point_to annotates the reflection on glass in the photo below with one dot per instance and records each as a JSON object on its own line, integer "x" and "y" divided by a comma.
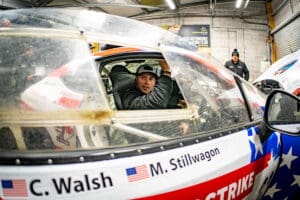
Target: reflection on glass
{"x": 284, "y": 112}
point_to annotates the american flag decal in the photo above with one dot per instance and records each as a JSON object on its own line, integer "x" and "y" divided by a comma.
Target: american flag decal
{"x": 14, "y": 188}
{"x": 137, "y": 173}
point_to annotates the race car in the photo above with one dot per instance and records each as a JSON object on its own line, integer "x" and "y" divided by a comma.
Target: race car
{"x": 283, "y": 74}
{"x": 65, "y": 135}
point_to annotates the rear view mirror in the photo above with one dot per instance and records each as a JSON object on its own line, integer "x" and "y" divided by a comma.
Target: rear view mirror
{"x": 283, "y": 112}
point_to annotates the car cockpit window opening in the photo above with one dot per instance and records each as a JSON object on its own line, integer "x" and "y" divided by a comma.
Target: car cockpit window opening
{"x": 119, "y": 76}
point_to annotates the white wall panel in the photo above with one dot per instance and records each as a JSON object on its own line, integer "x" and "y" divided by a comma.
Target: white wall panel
{"x": 219, "y": 44}
{"x": 283, "y": 13}
{"x": 288, "y": 38}
{"x": 247, "y": 34}
{"x": 295, "y": 5}
{"x": 286, "y": 32}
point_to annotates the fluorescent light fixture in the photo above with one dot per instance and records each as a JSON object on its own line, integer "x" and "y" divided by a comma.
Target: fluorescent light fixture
{"x": 171, "y": 4}
{"x": 238, "y": 3}
{"x": 246, "y": 3}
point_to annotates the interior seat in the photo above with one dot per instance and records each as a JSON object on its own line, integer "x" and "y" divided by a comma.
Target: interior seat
{"x": 121, "y": 79}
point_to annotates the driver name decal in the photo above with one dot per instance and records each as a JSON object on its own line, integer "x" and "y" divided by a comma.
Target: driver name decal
{"x": 56, "y": 186}
{"x": 69, "y": 185}
{"x": 175, "y": 163}
{"x": 232, "y": 186}
{"x": 183, "y": 161}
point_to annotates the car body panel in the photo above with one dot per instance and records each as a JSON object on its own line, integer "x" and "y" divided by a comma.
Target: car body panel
{"x": 285, "y": 71}
{"x": 179, "y": 172}
{"x": 286, "y": 180}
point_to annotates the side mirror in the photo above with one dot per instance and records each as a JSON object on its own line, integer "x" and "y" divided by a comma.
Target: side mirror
{"x": 282, "y": 112}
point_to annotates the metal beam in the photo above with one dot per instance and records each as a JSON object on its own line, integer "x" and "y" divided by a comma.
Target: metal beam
{"x": 43, "y": 3}
{"x": 138, "y": 3}
{"x": 177, "y": 3}
{"x": 14, "y": 4}
{"x": 272, "y": 26}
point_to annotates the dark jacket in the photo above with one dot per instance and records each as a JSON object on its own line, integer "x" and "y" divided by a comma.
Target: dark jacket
{"x": 239, "y": 68}
{"x": 158, "y": 98}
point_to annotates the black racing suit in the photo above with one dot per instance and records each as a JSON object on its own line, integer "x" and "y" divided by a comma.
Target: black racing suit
{"x": 158, "y": 98}
{"x": 239, "y": 68}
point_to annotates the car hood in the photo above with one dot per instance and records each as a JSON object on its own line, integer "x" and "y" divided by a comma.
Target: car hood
{"x": 286, "y": 71}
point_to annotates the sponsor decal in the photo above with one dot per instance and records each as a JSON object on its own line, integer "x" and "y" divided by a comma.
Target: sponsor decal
{"x": 14, "y": 188}
{"x": 65, "y": 134}
{"x": 285, "y": 67}
{"x": 137, "y": 173}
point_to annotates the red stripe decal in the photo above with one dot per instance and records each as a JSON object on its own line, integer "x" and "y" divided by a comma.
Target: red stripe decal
{"x": 231, "y": 186}
{"x": 68, "y": 103}
{"x": 59, "y": 72}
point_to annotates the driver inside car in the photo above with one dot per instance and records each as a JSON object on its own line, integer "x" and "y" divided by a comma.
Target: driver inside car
{"x": 151, "y": 91}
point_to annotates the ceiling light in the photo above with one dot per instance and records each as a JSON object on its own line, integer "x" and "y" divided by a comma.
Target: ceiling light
{"x": 246, "y": 3}
{"x": 238, "y": 3}
{"x": 171, "y": 4}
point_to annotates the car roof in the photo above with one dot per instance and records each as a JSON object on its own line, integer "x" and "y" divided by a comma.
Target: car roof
{"x": 97, "y": 25}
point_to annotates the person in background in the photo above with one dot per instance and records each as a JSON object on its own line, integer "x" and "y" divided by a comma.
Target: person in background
{"x": 237, "y": 66}
{"x": 109, "y": 46}
{"x": 4, "y": 22}
{"x": 91, "y": 47}
{"x": 24, "y": 69}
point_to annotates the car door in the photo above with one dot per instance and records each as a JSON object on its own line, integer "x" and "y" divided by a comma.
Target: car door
{"x": 282, "y": 115}
{"x": 285, "y": 182}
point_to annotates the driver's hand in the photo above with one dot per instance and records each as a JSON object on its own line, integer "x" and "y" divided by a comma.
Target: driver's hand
{"x": 32, "y": 77}
{"x": 184, "y": 128}
{"x": 165, "y": 68}
{"x": 182, "y": 103}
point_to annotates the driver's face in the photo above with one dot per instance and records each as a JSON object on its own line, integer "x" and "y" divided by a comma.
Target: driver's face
{"x": 145, "y": 82}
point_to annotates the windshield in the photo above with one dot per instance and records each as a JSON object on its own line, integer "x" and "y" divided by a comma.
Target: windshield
{"x": 208, "y": 87}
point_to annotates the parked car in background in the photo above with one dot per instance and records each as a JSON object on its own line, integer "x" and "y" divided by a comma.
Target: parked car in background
{"x": 283, "y": 74}
{"x": 63, "y": 134}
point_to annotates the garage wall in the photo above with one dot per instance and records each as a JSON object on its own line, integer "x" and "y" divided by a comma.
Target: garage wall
{"x": 287, "y": 25}
{"x": 244, "y": 30}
